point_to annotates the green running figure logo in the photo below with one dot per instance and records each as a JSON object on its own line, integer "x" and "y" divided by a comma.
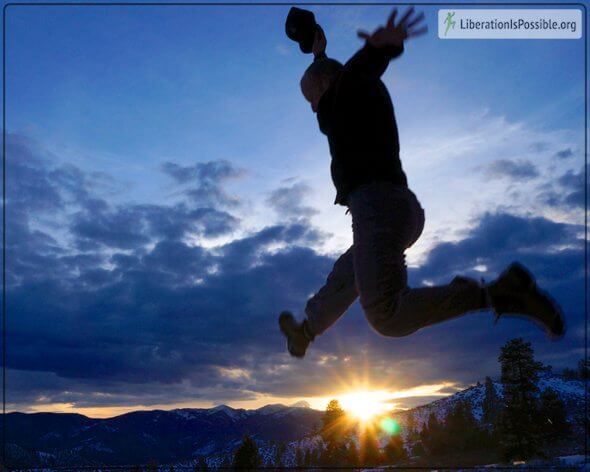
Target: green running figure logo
{"x": 449, "y": 21}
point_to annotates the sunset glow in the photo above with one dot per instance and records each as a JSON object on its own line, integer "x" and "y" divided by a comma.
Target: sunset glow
{"x": 365, "y": 404}
{"x": 359, "y": 399}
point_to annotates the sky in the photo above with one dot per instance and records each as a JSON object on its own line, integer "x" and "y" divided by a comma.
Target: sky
{"x": 168, "y": 194}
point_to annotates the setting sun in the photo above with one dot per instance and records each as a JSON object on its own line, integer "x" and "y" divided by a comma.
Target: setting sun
{"x": 364, "y": 405}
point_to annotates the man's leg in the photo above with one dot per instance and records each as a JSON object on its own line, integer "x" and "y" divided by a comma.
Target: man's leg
{"x": 335, "y": 297}
{"x": 323, "y": 309}
{"x": 387, "y": 220}
{"x": 415, "y": 308}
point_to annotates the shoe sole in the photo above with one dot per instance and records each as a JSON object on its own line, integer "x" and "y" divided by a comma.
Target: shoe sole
{"x": 286, "y": 321}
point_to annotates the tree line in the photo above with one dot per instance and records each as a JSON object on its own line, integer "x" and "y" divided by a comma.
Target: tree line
{"x": 520, "y": 424}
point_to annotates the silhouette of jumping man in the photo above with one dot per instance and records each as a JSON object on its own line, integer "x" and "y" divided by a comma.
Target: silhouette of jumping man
{"x": 355, "y": 112}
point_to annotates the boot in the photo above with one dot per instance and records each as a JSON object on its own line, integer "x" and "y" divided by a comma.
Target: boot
{"x": 515, "y": 293}
{"x": 298, "y": 334}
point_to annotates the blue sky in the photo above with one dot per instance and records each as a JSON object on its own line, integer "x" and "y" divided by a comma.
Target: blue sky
{"x": 151, "y": 152}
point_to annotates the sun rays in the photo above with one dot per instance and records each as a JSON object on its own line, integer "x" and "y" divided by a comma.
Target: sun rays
{"x": 365, "y": 405}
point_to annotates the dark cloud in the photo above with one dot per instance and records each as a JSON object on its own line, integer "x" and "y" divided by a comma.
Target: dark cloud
{"x": 29, "y": 186}
{"x": 288, "y": 201}
{"x": 564, "y": 153}
{"x": 495, "y": 241}
{"x": 515, "y": 170}
{"x": 567, "y": 191}
{"x": 539, "y": 146}
{"x": 68, "y": 202}
{"x": 128, "y": 226}
{"x": 205, "y": 180}
{"x": 139, "y": 304}
{"x": 112, "y": 304}
{"x": 212, "y": 171}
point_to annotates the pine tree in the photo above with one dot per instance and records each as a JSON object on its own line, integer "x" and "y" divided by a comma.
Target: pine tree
{"x": 370, "y": 455}
{"x": 432, "y": 436}
{"x": 490, "y": 420}
{"x": 394, "y": 450}
{"x": 299, "y": 459}
{"x": 418, "y": 449}
{"x": 352, "y": 455}
{"x": 424, "y": 434}
{"x": 519, "y": 426}
{"x": 492, "y": 405}
{"x": 338, "y": 455}
{"x": 316, "y": 458}
{"x": 411, "y": 433}
{"x": 325, "y": 459}
{"x": 226, "y": 462}
{"x": 203, "y": 467}
{"x": 584, "y": 369}
{"x": 334, "y": 426}
{"x": 461, "y": 429}
{"x": 246, "y": 456}
{"x": 280, "y": 449}
{"x": 307, "y": 458}
{"x": 553, "y": 417}
{"x": 570, "y": 374}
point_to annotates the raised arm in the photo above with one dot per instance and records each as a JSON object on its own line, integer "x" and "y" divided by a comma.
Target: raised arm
{"x": 386, "y": 43}
{"x": 319, "y": 44}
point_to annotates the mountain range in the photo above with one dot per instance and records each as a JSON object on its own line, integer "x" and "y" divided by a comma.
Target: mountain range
{"x": 182, "y": 436}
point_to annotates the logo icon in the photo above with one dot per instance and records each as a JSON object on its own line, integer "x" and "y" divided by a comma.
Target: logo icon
{"x": 449, "y": 22}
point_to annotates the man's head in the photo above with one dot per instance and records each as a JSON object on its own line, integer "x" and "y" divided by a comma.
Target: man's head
{"x": 317, "y": 78}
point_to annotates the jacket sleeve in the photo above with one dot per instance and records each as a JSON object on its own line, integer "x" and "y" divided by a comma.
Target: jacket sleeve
{"x": 373, "y": 61}
{"x": 320, "y": 56}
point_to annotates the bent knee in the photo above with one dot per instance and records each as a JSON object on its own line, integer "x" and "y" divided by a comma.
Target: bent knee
{"x": 392, "y": 329}
{"x": 385, "y": 321}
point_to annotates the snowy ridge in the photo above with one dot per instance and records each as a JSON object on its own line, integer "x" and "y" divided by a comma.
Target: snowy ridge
{"x": 197, "y": 433}
{"x": 228, "y": 410}
{"x": 570, "y": 391}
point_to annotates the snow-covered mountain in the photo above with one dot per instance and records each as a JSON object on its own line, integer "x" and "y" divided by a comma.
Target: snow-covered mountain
{"x": 46, "y": 439}
{"x": 570, "y": 391}
{"x": 182, "y": 436}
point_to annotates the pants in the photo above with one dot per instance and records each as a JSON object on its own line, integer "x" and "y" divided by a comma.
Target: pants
{"x": 386, "y": 220}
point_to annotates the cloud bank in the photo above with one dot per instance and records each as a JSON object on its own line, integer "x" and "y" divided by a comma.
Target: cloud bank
{"x": 124, "y": 303}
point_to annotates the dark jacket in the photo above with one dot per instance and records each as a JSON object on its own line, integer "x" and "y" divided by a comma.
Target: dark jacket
{"x": 356, "y": 114}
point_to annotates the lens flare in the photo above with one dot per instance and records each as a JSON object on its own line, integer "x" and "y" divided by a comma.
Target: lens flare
{"x": 390, "y": 426}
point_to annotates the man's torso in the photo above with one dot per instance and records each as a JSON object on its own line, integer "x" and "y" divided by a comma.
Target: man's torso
{"x": 357, "y": 116}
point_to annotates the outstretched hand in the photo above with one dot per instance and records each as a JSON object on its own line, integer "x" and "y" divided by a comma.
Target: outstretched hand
{"x": 409, "y": 26}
